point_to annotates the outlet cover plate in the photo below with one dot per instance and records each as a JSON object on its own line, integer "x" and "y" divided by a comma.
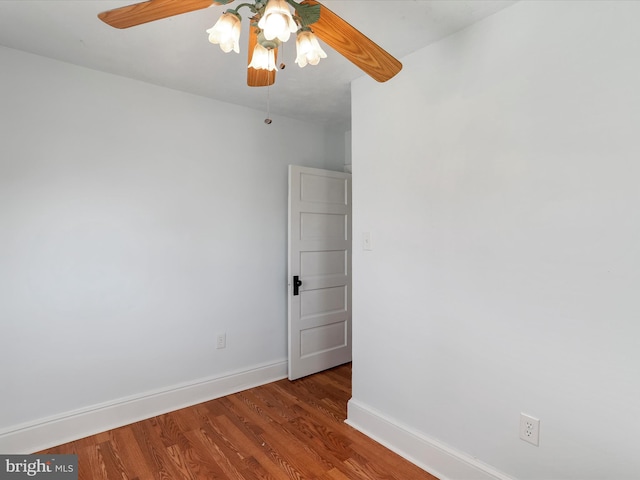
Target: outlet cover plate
{"x": 529, "y": 429}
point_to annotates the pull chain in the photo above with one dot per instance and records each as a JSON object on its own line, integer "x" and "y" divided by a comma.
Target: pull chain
{"x": 282, "y": 67}
{"x": 268, "y": 119}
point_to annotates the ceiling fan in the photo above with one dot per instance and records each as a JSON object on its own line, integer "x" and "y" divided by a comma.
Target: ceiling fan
{"x": 272, "y": 22}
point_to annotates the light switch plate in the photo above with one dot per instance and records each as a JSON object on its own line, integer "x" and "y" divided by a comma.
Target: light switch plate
{"x": 366, "y": 241}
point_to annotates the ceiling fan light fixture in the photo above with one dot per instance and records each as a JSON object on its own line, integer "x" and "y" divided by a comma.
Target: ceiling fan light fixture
{"x": 226, "y": 32}
{"x": 277, "y": 22}
{"x": 263, "y": 58}
{"x": 308, "y": 49}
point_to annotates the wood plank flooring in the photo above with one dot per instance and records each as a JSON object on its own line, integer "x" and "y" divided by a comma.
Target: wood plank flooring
{"x": 283, "y": 430}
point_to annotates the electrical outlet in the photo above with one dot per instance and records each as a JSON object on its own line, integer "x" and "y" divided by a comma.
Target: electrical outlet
{"x": 529, "y": 429}
{"x": 222, "y": 341}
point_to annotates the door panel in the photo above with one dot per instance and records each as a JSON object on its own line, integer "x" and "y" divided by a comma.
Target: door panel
{"x": 323, "y": 301}
{"x": 323, "y": 226}
{"x": 320, "y": 189}
{"x": 322, "y": 264}
{"x": 323, "y": 338}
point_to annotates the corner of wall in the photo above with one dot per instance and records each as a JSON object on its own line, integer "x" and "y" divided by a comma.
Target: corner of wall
{"x": 432, "y": 456}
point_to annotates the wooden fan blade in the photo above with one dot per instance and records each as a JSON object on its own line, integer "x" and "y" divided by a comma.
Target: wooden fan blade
{"x": 255, "y": 77}
{"x": 139, "y": 13}
{"x": 354, "y": 45}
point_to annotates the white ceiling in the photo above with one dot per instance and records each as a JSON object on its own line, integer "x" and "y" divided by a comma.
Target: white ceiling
{"x": 175, "y": 53}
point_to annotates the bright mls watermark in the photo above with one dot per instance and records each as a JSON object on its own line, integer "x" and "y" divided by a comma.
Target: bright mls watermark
{"x": 44, "y": 467}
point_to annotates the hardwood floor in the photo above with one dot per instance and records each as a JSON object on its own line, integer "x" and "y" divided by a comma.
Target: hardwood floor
{"x": 283, "y": 430}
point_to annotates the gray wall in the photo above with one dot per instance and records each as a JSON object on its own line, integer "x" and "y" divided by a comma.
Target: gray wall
{"x": 506, "y": 242}
{"x": 136, "y": 223}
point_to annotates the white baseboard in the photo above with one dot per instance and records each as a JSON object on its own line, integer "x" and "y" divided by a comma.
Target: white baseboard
{"x": 440, "y": 460}
{"x": 49, "y": 432}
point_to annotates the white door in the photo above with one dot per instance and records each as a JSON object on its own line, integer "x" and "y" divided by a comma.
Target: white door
{"x": 319, "y": 270}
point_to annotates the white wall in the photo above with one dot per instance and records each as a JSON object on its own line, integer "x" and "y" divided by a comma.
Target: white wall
{"x": 498, "y": 174}
{"x": 136, "y": 223}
